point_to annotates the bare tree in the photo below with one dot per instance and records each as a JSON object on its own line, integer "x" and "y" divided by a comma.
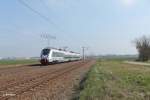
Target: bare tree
{"x": 143, "y": 47}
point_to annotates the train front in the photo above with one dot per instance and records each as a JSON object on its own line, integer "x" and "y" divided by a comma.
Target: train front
{"x": 45, "y": 56}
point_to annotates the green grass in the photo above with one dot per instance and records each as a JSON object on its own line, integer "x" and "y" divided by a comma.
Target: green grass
{"x": 114, "y": 80}
{"x": 16, "y": 62}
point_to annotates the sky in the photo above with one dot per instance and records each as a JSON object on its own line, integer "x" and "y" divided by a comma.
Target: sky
{"x": 104, "y": 26}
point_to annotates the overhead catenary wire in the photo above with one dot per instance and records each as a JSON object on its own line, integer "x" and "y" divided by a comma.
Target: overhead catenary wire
{"x": 38, "y": 13}
{"x": 45, "y": 5}
{"x": 46, "y": 18}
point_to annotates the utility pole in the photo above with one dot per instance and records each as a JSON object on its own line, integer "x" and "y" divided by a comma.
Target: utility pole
{"x": 48, "y": 37}
{"x": 83, "y": 52}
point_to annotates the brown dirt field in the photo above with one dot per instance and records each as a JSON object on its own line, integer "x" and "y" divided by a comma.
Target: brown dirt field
{"x": 52, "y": 82}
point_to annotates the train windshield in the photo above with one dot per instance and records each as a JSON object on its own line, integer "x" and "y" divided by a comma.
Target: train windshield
{"x": 45, "y": 51}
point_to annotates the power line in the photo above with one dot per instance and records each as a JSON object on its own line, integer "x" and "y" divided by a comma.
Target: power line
{"x": 45, "y": 5}
{"x": 38, "y": 13}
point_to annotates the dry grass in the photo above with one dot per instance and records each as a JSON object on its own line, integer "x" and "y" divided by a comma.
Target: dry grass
{"x": 114, "y": 80}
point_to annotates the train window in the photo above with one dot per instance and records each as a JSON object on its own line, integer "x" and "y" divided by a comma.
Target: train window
{"x": 57, "y": 54}
{"x": 45, "y": 51}
{"x": 54, "y": 54}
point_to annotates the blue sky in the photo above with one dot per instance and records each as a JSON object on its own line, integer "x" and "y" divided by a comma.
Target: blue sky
{"x": 105, "y": 26}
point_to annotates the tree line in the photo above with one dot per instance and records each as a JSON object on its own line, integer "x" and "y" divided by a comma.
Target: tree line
{"x": 143, "y": 48}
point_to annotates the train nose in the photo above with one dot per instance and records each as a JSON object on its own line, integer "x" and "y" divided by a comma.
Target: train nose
{"x": 44, "y": 56}
{"x": 44, "y": 61}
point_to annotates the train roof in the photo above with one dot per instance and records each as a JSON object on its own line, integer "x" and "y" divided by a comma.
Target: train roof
{"x": 61, "y": 50}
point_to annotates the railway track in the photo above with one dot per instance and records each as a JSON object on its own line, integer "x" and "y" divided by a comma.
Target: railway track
{"x": 27, "y": 75}
{"x": 11, "y": 78}
{"x": 46, "y": 71}
{"x": 17, "y": 88}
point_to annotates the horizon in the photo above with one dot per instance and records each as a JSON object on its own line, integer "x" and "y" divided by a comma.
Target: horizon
{"x": 105, "y": 27}
{"x": 98, "y": 55}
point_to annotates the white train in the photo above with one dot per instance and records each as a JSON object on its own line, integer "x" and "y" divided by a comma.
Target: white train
{"x": 52, "y": 55}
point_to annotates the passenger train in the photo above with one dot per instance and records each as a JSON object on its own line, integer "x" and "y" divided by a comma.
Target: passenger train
{"x": 52, "y": 55}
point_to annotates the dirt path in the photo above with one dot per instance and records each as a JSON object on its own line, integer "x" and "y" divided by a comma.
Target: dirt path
{"x": 25, "y": 82}
{"x": 137, "y": 63}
